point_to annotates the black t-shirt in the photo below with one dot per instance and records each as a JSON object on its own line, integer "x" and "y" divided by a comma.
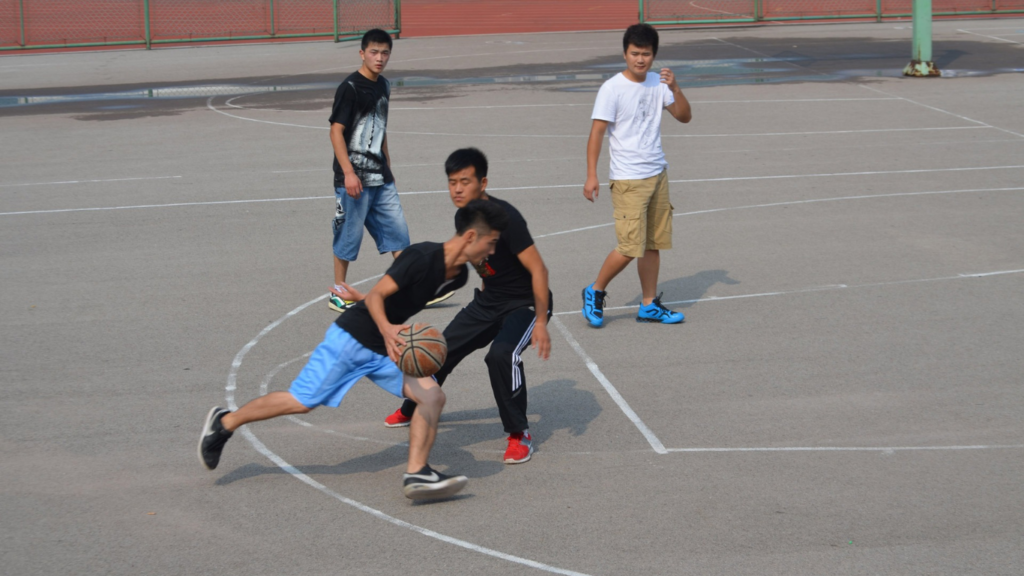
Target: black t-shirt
{"x": 420, "y": 274}
{"x": 505, "y": 277}
{"x": 361, "y": 106}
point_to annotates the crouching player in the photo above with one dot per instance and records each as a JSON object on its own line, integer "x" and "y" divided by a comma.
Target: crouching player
{"x": 364, "y": 341}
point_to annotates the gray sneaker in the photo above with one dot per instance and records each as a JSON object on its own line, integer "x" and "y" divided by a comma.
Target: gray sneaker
{"x": 213, "y": 438}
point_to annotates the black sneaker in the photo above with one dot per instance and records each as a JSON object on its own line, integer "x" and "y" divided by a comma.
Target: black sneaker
{"x": 214, "y": 436}
{"x": 429, "y": 483}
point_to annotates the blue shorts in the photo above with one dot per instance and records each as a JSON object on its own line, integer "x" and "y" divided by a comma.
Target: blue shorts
{"x": 338, "y": 363}
{"x": 379, "y": 210}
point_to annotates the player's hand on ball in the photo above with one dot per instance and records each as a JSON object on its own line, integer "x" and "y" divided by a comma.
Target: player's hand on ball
{"x": 392, "y": 341}
{"x": 591, "y": 188}
{"x": 541, "y": 341}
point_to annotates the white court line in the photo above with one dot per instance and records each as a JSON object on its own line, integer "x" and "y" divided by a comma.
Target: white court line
{"x": 209, "y": 104}
{"x": 694, "y": 4}
{"x": 849, "y": 448}
{"x": 818, "y": 289}
{"x": 793, "y": 202}
{"x": 232, "y": 385}
{"x": 987, "y": 36}
{"x": 953, "y": 114}
{"x": 86, "y": 181}
{"x": 304, "y": 198}
{"x": 619, "y": 400}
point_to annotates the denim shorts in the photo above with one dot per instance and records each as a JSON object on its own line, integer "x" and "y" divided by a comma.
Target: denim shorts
{"x": 379, "y": 210}
{"x": 336, "y": 365}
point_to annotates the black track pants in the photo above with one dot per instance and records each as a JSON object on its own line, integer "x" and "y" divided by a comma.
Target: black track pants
{"x": 507, "y": 327}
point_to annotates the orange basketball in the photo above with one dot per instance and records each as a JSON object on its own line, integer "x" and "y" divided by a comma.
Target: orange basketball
{"x": 424, "y": 352}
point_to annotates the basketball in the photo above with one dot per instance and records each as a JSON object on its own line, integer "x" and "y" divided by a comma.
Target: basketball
{"x": 424, "y": 352}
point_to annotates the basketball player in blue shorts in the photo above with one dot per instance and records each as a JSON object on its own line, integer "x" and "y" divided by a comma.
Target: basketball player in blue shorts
{"x": 364, "y": 341}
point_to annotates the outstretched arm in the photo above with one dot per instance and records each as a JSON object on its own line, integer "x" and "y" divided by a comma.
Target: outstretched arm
{"x": 531, "y": 260}
{"x": 680, "y": 109}
{"x": 597, "y": 130}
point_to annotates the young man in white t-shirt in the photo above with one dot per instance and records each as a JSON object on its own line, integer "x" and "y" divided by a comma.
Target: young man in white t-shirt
{"x": 629, "y": 107}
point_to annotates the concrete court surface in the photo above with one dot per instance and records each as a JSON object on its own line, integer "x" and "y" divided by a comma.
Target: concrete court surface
{"x": 844, "y": 398}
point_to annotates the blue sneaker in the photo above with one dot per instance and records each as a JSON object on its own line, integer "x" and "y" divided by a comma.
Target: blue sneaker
{"x": 593, "y": 306}
{"x": 656, "y": 312}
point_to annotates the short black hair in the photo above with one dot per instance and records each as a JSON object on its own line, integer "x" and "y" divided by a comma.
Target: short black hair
{"x": 464, "y": 158}
{"x": 376, "y": 36}
{"x": 483, "y": 215}
{"x": 641, "y": 36}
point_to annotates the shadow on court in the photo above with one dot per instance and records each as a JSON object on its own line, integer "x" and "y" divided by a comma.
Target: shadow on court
{"x": 688, "y": 289}
{"x": 554, "y": 405}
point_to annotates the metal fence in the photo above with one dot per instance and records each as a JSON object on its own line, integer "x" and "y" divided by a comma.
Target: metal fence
{"x": 80, "y": 23}
{"x": 736, "y": 11}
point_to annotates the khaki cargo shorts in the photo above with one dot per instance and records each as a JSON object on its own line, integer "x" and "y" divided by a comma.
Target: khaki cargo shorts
{"x": 643, "y": 215}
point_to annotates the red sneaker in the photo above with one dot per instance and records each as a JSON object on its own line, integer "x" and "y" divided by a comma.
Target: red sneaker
{"x": 397, "y": 420}
{"x": 520, "y": 448}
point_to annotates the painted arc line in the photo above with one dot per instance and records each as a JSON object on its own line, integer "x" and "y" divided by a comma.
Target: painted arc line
{"x": 792, "y": 203}
{"x": 265, "y": 387}
{"x": 232, "y": 386}
{"x": 818, "y": 289}
{"x": 610, "y": 389}
{"x": 849, "y": 448}
{"x": 87, "y": 181}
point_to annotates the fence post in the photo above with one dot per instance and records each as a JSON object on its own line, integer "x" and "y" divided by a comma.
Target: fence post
{"x": 336, "y": 39}
{"x": 878, "y": 10}
{"x": 758, "y": 10}
{"x": 273, "y": 28}
{"x": 398, "y": 18}
{"x": 149, "y": 33}
{"x": 640, "y": 14}
{"x": 21, "y": 18}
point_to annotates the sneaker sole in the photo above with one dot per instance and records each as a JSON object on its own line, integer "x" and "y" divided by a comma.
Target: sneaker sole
{"x": 399, "y": 425}
{"x": 433, "y": 490}
{"x": 207, "y": 425}
{"x": 527, "y": 459}
{"x": 441, "y": 299}
{"x": 656, "y": 321}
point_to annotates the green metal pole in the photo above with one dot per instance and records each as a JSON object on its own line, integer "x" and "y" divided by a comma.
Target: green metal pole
{"x": 641, "y": 13}
{"x": 398, "y": 18}
{"x": 272, "y": 26}
{"x": 758, "y": 10}
{"x": 336, "y": 21}
{"x": 878, "y": 10}
{"x": 921, "y": 59}
{"x": 149, "y": 33}
{"x": 21, "y": 17}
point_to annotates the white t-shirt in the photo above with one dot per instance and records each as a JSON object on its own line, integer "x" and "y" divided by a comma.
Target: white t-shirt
{"x": 633, "y": 111}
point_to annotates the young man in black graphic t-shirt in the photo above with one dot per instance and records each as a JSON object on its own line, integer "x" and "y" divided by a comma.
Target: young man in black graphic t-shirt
{"x": 364, "y": 186}
{"x": 364, "y": 342}
{"x": 510, "y": 311}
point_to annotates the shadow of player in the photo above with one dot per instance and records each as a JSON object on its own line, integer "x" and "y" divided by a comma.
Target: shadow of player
{"x": 458, "y": 431}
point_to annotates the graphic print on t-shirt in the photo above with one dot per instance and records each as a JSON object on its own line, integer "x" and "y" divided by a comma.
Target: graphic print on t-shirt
{"x": 365, "y": 147}
{"x": 644, "y": 117}
{"x": 361, "y": 106}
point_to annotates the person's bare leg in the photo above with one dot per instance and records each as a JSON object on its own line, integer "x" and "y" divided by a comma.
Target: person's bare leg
{"x": 423, "y": 427}
{"x": 263, "y": 408}
{"x": 613, "y": 265}
{"x": 340, "y": 270}
{"x": 648, "y": 268}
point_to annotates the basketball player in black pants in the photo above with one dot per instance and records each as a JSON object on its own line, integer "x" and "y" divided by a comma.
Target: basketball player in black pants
{"x": 509, "y": 312}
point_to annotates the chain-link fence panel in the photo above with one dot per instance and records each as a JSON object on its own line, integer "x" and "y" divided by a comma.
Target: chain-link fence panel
{"x": 950, "y": 7}
{"x": 10, "y": 23}
{"x": 193, "y": 19}
{"x": 698, "y": 10}
{"x": 312, "y": 17}
{"x": 64, "y": 22}
{"x": 361, "y": 15}
{"x": 818, "y": 8}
